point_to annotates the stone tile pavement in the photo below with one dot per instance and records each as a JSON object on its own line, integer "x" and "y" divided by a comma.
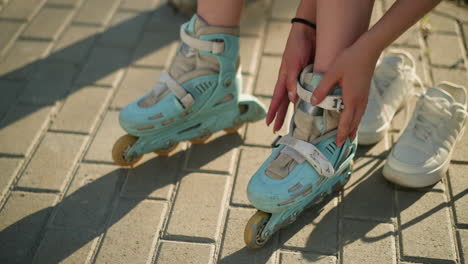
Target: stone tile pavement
{"x": 68, "y": 66}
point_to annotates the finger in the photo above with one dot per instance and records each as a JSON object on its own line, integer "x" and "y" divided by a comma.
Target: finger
{"x": 326, "y": 84}
{"x": 291, "y": 84}
{"x": 280, "y": 116}
{"x": 356, "y": 121}
{"x": 278, "y": 94}
{"x": 344, "y": 125}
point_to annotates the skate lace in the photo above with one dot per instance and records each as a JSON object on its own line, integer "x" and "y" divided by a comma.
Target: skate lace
{"x": 437, "y": 110}
{"x": 384, "y": 76}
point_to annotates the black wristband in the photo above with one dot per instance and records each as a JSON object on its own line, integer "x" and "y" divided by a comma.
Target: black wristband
{"x": 305, "y": 22}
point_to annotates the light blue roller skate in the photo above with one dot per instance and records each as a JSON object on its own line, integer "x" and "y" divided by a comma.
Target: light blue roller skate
{"x": 199, "y": 96}
{"x": 304, "y": 167}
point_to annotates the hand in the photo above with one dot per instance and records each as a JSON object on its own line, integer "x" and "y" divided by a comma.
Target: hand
{"x": 298, "y": 53}
{"x": 352, "y": 70}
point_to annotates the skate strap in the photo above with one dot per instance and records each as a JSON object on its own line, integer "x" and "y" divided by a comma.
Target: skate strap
{"x": 205, "y": 45}
{"x": 310, "y": 153}
{"x": 331, "y": 102}
{"x": 185, "y": 98}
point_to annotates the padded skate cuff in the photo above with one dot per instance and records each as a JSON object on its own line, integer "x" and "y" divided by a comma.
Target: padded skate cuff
{"x": 331, "y": 102}
{"x": 185, "y": 98}
{"x": 205, "y": 45}
{"x": 310, "y": 153}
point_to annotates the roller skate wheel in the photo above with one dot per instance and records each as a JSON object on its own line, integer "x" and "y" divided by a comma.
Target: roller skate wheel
{"x": 200, "y": 140}
{"x": 121, "y": 146}
{"x": 232, "y": 130}
{"x": 254, "y": 228}
{"x": 165, "y": 152}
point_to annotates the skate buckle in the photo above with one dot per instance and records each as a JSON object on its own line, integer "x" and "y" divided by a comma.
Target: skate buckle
{"x": 274, "y": 144}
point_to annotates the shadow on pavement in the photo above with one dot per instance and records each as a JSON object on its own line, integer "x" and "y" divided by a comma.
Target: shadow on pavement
{"x": 86, "y": 206}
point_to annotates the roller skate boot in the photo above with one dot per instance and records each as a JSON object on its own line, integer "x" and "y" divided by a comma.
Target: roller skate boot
{"x": 198, "y": 96}
{"x": 305, "y": 165}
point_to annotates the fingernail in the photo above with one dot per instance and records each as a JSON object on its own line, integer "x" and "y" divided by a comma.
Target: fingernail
{"x": 291, "y": 96}
{"x": 314, "y": 100}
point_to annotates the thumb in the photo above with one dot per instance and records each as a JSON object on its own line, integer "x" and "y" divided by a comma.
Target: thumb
{"x": 325, "y": 86}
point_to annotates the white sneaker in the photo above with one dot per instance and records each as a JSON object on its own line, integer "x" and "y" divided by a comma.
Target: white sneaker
{"x": 422, "y": 155}
{"x": 392, "y": 84}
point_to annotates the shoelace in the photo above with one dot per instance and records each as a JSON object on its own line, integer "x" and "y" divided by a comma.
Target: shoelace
{"x": 437, "y": 109}
{"x": 384, "y": 77}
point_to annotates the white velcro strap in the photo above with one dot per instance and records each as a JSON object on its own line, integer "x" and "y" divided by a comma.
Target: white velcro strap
{"x": 205, "y": 45}
{"x": 311, "y": 153}
{"x": 185, "y": 98}
{"x": 331, "y": 102}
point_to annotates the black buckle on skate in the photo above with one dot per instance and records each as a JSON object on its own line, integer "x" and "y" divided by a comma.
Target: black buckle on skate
{"x": 274, "y": 144}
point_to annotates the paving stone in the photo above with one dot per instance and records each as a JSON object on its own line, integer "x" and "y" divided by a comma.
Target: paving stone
{"x": 463, "y": 236}
{"x": 21, "y": 59}
{"x": 219, "y": 155}
{"x": 82, "y": 110}
{"x": 461, "y": 148}
{"x": 139, "y": 223}
{"x": 154, "y": 177}
{"x": 67, "y": 245}
{"x": 367, "y": 181}
{"x": 425, "y": 226}
{"x": 452, "y": 9}
{"x": 260, "y": 134}
{"x": 10, "y": 167}
{"x": 409, "y": 38}
{"x": 178, "y": 252}
{"x": 96, "y": 12}
{"x": 139, "y": 5}
{"x": 68, "y": 3}
{"x": 10, "y": 92}
{"x": 440, "y": 23}
{"x": 457, "y": 76}
{"x": 21, "y": 221}
{"x": 253, "y": 18}
{"x": 87, "y": 201}
{"x": 247, "y": 84}
{"x": 9, "y": 31}
{"x": 304, "y": 258}
{"x": 267, "y": 75}
{"x": 233, "y": 248}
{"x": 284, "y": 9}
{"x": 155, "y": 49}
{"x": 368, "y": 242}
{"x": 74, "y": 43}
{"x": 108, "y": 133}
{"x": 249, "y": 53}
{"x": 104, "y": 67}
{"x": 445, "y": 50}
{"x": 277, "y": 35}
{"x": 136, "y": 83}
{"x": 376, "y": 13}
{"x": 196, "y": 214}
{"x": 49, "y": 23}
{"x": 124, "y": 30}
{"x": 21, "y": 9}
{"x": 47, "y": 86}
{"x": 25, "y": 123}
{"x": 459, "y": 184}
{"x": 316, "y": 229}
{"x": 250, "y": 161}
{"x": 53, "y": 161}
{"x": 166, "y": 20}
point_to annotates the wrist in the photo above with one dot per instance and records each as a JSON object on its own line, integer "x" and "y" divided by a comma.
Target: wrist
{"x": 303, "y": 30}
{"x": 370, "y": 44}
